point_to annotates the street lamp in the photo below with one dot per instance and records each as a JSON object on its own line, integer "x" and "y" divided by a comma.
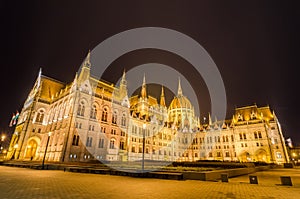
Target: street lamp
{"x": 143, "y": 157}
{"x": 2, "y": 140}
{"x": 49, "y": 134}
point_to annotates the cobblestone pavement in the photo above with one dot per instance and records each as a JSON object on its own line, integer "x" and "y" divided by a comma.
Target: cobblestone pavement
{"x": 30, "y": 183}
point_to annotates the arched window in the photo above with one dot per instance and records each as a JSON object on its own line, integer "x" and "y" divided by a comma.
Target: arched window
{"x": 40, "y": 116}
{"x": 62, "y": 110}
{"x": 133, "y": 149}
{"x": 114, "y": 117}
{"x": 81, "y": 108}
{"x": 123, "y": 120}
{"x": 93, "y": 114}
{"x": 104, "y": 115}
{"x": 122, "y": 145}
{"x": 112, "y": 143}
{"x": 255, "y": 135}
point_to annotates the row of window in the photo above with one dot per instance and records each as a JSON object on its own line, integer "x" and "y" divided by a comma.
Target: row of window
{"x": 104, "y": 115}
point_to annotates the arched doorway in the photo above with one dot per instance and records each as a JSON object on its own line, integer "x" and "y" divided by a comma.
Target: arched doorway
{"x": 31, "y": 149}
{"x": 261, "y": 155}
{"x": 245, "y": 157}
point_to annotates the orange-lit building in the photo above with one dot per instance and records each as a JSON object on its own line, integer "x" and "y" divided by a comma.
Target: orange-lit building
{"x": 90, "y": 119}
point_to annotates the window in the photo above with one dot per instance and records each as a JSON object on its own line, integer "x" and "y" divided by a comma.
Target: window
{"x": 259, "y": 134}
{"x": 122, "y": 145}
{"x": 227, "y": 154}
{"x": 93, "y": 114}
{"x": 89, "y": 141}
{"x": 210, "y": 154}
{"x": 140, "y": 149}
{"x": 75, "y": 140}
{"x": 218, "y": 154}
{"x": 241, "y": 136}
{"x": 104, "y": 115}
{"x": 101, "y": 143}
{"x": 257, "y": 144}
{"x": 133, "y": 149}
{"x": 122, "y": 133}
{"x": 226, "y": 139}
{"x": 245, "y": 137}
{"x": 113, "y": 131}
{"x": 123, "y": 120}
{"x": 278, "y": 155}
{"x": 103, "y": 129}
{"x": 112, "y": 144}
{"x": 232, "y": 138}
{"x": 255, "y": 135}
{"x": 114, "y": 118}
{"x": 40, "y": 116}
{"x": 81, "y": 108}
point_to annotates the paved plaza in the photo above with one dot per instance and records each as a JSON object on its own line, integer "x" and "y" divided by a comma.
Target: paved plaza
{"x": 30, "y": 183}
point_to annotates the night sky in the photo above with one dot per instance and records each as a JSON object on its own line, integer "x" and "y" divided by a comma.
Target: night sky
{"x": 254, "y": 44}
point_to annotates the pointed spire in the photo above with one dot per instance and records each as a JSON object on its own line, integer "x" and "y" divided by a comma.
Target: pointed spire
{"x": 123, "y": 86}
{"x": 74, "y": 83}
{"x": 87, "y": 61}
{"x": 143, "y": 91}
{"x": 124, "y": 75}
{"x": 209, "y": 120}
{"x": 39, "y": 78}
{"x": 232, "y": 122}
{"x": 123, "y": 80}
{"x": 162, "y": 97}
{"x": 179, "y": 92}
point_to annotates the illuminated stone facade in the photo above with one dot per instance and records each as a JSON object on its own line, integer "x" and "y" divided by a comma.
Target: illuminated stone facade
{"x": 90, "y": 119}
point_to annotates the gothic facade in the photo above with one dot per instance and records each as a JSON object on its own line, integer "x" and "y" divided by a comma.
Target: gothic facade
{"x": 89, "y": 119}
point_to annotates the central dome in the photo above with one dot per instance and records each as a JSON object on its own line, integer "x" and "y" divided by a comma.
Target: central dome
{"x": 180, "y": 102}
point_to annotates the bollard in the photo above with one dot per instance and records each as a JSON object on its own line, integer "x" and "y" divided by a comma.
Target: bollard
{"x": 224, "y": 177}
{"x": 286, "y": 180}
{"x": 253, "y": 179}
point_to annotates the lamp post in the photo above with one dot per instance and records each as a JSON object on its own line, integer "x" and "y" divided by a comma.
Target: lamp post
{"x": 49, "y": 134}
{"x": 2, "y": 140}
{"x": 143, "y": 155}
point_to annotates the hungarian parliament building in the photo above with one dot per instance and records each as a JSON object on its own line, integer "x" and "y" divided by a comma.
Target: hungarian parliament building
{"x": 90, "y": 119}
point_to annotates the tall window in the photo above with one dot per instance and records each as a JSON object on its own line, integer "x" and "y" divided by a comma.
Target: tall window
{"x": 114, "y": 118}
{"x": 122, "y": 145}
{"x": 255, "y": 135}
{"x": 40, "y": 116}
{"x": 75, "y": 140}
{"x": 112, "y": 144}
{"x": 123, "y": 120}
{"x": 133, "y": 149}
{"x": 89, "y": 141}
{"x": 259, "y": 134}
{"x": 93, "y": 114}
{"x": 104, "y": 115}
{"x": 81, "y": 108}
{"x": 101, "y": 143}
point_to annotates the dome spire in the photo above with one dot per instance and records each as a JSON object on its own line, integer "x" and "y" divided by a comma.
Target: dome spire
{"x": 162, "y": 97}
{"x": 179, "y": 92}
{"x": 143, "y": 92}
